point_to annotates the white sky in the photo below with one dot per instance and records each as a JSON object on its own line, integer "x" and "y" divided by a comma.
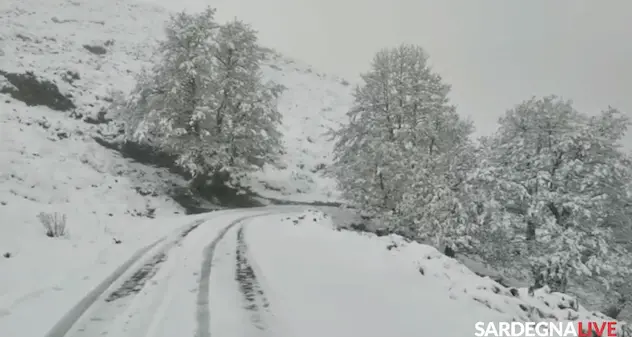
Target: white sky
{"x": 494, "y": 53}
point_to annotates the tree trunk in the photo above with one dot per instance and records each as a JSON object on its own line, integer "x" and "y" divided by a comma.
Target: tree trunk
{"x": 530, "y": 230}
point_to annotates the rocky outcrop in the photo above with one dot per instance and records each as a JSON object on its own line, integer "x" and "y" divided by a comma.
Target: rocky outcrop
{"x": 34, "y": 91}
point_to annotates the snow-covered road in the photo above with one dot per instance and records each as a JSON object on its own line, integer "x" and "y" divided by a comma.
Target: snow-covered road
{"x": 339, "y": 284}
{"x": 237, "y": 273}
{"x": 277, "y": 272}
{"x": 164, "y": 290}
{"x": 257, "y": 274}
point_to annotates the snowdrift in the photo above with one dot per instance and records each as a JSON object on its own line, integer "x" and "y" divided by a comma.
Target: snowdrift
{"x": 456, "y": 281}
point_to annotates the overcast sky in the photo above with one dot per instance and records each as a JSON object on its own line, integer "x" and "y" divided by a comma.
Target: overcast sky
{"x": 494, "y": 53}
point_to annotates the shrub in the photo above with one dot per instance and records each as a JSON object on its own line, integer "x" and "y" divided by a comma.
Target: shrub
{"x": 54, "y": 223}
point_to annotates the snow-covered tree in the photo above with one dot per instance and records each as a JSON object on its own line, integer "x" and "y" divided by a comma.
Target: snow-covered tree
{"x": 403, "y": 155}
{"x": 562, "y": 179}
{"x": 244, "y": 107}
{"x": 205, "y": 100}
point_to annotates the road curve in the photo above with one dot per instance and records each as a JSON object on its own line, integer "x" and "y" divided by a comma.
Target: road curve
{"x": 113, "y": 306}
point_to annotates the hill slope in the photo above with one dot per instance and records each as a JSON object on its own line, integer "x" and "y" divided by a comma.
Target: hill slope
{"x": 93, "y": 49}
{"x": 89, "y": 50}
{"x": 312, "y": 104}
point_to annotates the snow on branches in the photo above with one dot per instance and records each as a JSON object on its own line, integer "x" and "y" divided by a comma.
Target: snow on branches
{"x": 205, "y": 100}
{"x": 403, "y": 155}
{"x": 564, "y": 177}
{"x": 549, "y": 192}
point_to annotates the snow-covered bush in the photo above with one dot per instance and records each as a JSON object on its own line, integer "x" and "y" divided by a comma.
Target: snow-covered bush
{"x": 54, "y": 223}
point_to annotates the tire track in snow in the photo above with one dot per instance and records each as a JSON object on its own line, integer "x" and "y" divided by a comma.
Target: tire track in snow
{"x": 153, "y": 309}
{"x": 137, "y": 281}
{"x": 253, "y": 294}
{"x": 71, "y": 317}
{"x": 203, "y": 311}
{"x": 128, "y": 287}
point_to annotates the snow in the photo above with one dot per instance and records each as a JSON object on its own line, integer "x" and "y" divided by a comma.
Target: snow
{"x": 318, "y": 280}
{"x": 93, "y": 187}
{"x": 63, "y": 279}
{"x": 50, "y": 163}
{"x": 164, "y": 307}
{"x": 49, "y": 38}
{"x": 327, "y": 282}
{"x": 229, "y": 317}
{"x": 312, "y": 105}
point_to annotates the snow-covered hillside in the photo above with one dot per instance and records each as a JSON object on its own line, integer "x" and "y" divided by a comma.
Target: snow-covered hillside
{"x": 312, "y": 104}
{"x": 50, "y": 163}
{"x": 92, "y": 49}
